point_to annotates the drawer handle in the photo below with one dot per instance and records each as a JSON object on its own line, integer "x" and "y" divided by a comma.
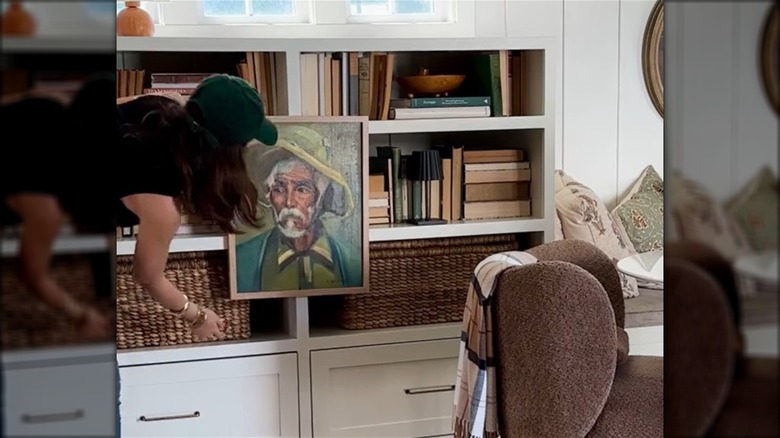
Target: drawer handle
{"x": 195, "y": 414}
{"x": 429, "y": 389}
{"x": 53, "y": 418}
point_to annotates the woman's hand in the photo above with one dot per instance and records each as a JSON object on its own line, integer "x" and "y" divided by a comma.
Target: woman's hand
{"x": 212, "y": 328}
{"x": 94, "y": 326}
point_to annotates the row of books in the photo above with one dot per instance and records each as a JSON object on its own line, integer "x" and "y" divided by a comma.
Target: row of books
{"x": 265, "y": 71}
{"x": 362, "y": 84}
{"x": 475, "y": 184}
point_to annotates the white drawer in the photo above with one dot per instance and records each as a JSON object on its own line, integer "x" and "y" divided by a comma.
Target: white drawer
{"x": 240, "y": 397}
{"x": 61, "y": 400}
{"x": 402, "y": 390}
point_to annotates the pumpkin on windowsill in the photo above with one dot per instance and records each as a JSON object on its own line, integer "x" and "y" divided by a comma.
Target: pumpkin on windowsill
{"x": 134, "y": 21}
{"x": 17, "y": 21}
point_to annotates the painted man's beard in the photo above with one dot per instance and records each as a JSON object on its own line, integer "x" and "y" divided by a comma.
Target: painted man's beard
{"x": 285, "y": 220}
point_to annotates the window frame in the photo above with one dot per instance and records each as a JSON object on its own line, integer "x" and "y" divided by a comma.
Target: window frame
{"x": 443, "y": 12}
{"x": 190, "y": 12}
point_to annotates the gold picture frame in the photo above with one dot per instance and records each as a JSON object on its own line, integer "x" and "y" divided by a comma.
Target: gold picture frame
{"x": 770, "y": 47}
{"x": 313, "y": 187}
{"x": 653, "y": 56}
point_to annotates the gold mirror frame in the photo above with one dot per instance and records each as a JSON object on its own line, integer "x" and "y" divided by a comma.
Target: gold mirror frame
{"x": 770, "y": 65}
{"x": 652, "y": 56}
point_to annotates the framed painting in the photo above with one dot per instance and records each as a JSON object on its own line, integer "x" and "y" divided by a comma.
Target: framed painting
{"x": 653, "y": 56}
{"x": 770, "y": 60}
{"x": 313, "y": 212}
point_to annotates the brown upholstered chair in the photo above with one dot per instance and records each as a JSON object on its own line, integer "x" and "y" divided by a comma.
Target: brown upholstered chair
{"x": 561, "y": 352}
{"x": 711, "y": 388}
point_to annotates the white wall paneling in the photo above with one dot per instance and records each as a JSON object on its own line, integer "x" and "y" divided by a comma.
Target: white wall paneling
{"x": 723, "y": 129}
{"x": 590, "y": 93}
{"x": 610, "y": 128}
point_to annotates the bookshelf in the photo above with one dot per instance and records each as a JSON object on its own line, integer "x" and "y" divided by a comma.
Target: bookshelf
{"x": 296, "y": 331}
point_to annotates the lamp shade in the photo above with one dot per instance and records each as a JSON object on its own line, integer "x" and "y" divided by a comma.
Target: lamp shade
{"x": 425, "y": 166}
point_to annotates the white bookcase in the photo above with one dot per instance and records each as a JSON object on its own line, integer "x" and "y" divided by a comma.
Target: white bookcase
{"x": 408, "y": 371}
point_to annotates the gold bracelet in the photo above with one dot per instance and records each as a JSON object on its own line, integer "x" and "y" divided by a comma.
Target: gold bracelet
{"x": 180, "y": 313}
{"x": 201, "y": 318}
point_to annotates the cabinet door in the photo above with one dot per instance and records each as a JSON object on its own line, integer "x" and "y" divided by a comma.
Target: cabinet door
{"x": 60, "y": 400}
{"x": 238, "y": 397}
{"x": 402, "y": 390}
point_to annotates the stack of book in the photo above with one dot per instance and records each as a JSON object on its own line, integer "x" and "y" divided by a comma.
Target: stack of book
{"x": 439, "y": 108}
{"x": 181, "y": 83}
{"x": 496, "y": 184}
{"x": 379, "y": 205}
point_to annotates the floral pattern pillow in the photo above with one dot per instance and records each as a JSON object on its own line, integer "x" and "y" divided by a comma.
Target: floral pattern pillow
{"x": 755, "y": 210}
{"x": 584, "y": 216}
{"x": 701, "y": 218}
{"x": 642, "y": 212}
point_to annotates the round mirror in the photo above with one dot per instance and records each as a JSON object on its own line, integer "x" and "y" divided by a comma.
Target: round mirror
{"x": 770, "y": 66}
{"x": 653, "y": 56}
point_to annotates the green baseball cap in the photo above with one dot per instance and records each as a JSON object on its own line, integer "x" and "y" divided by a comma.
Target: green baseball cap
{"x": 232, "y": 111}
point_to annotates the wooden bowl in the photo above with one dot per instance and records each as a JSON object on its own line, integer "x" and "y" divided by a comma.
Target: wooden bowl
{"x": 430, "y": 84}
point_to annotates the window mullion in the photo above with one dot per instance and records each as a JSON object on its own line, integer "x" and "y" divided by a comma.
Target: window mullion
{"x": 391, "y": 6}
{"x": 248, "y": 8}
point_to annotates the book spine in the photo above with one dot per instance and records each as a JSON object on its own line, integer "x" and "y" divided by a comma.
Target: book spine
{"x": 394, "y": 154}
{"x": 364, "y": 85}
{"x": 495, "y": 85}
{"x": 443, "y": 102}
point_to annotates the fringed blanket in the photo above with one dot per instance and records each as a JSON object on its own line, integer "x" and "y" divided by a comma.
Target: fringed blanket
{"x": 475, "y": 413}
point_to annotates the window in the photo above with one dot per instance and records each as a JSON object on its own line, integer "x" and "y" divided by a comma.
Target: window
{"x": 400, "y": 11}
{"x": 253, "y": 11}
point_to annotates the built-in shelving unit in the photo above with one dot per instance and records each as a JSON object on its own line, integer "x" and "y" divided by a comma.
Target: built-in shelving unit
{"x": 532, "y": 132}
{"x": 295, "y": 331}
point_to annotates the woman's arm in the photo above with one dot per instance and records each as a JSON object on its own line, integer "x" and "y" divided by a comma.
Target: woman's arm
{"x": 159, "y": 219}
{"x": 174, "y": 96}
{"x": 11, "y": 98}
{"x": 42, "y": 217}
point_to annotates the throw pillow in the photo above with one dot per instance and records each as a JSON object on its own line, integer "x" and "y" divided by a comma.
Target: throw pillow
{"x": 755, "y": 210}
{"x": 641, "y": 212}
{"x": 701, "y": 218}
{"x": 558, "y": 227}
{"x": 584, "y": 216}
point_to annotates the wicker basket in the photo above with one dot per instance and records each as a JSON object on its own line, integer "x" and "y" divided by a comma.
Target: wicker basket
{"x": 141, "y": 322}
{"x": 26, "y": 322}
{"x": 418, "y": 282}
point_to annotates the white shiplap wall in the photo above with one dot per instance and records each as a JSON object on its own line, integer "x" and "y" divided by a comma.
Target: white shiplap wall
{"x": 611, "y": 130}
{"x": 723, "y": 129}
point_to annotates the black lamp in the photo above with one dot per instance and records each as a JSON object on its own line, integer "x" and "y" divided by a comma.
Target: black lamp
{"x": 425, "y": 168}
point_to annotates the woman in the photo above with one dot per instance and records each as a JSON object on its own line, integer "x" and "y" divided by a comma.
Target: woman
{"x": 37, "y": 193}
{"x": 176, "y": 156}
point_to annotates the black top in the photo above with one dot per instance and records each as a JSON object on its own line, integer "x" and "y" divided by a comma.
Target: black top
{"x": 66, "y": 151}
{"x": 33, "y": 157}
{"x": 142, "y": 167}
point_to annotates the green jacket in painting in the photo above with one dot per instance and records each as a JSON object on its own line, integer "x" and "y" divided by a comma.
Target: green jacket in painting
{"x": 250, "y": 255}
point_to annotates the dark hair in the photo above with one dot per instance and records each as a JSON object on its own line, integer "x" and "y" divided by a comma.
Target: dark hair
{"x": 214, "y": 180}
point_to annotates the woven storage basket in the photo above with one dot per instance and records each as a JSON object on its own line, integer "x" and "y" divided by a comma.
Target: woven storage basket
{"x": 26, "y": 322}
{"x": 141, "y": 322}
{"x": 417, "y": 282}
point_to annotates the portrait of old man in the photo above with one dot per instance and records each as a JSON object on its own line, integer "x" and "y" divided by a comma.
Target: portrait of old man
{"x": 310, "y": 185}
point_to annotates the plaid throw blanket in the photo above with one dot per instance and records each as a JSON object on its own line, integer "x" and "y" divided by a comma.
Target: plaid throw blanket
{"x": 475, "y": 413}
